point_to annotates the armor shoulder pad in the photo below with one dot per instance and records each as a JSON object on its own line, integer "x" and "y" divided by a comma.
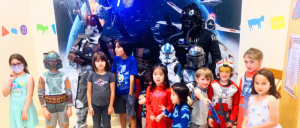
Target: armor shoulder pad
{"x": 106, "y": 38}
{"x": 177, "y": 69}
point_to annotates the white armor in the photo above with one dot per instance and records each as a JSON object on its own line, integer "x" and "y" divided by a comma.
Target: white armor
{"x": 173, "y": 76}
{"x": 226, "y": 93}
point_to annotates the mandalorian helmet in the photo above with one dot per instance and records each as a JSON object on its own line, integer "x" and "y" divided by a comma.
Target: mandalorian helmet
{"x": 52, "y": 59}
{"x": 93, "y": 28}
{"x": 191, "y": 17}
{"x": 195, "y": 57}
{"x": 167, "y": 54}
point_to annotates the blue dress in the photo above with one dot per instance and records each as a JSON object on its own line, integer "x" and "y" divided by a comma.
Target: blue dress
{"x": 181, "y": 119}
{"x": 17, "y": 101}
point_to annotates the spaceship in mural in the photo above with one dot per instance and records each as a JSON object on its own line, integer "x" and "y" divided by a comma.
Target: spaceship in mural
{"x": 211, "y": 3}
{"x": 210, "y": 23}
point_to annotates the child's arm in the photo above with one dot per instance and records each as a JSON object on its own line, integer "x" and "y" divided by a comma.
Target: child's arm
{"x": 199, "y": 95}
{"x": 89, "y": 95}
{"x": 41, "y": 93}
{"x": 30, "y": 88}
{"x": 142, "y": 99}
{"x": 166, "y": 112}
{"x": 112, "y": 98}
{"x": 7, "y": 85}
{"x": 133, "y": 71}
{"x": 274, "y": 114}
{"x": 131, "y": 85}
{"x": 69, "y": 97}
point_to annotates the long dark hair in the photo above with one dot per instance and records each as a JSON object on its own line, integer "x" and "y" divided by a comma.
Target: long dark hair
{"x": 100, "y": 56}
{"x": 166, "y": 79}
{"x": 269, "y": 75}
{"x": 19, "y": 58}
{"x": 182, "y": 91}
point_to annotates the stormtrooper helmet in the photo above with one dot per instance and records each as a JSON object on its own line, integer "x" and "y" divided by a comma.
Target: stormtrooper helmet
{"x": 52, "y": 59}
{"x": 195, "y": 57}
{"x": 167, "y": 54}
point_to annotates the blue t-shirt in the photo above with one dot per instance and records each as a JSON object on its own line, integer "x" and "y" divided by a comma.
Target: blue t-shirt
{"x": 123, "y": 70}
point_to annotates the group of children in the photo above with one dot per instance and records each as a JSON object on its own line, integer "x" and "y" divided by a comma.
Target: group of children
{"x": 163, "y": 105}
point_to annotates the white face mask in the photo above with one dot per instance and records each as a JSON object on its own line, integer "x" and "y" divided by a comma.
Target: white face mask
{"x": 18, "y": 69}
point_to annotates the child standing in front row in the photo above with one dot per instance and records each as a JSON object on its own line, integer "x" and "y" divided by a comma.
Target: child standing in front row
{"x": 101, "y": 91}
{"x": 253, "y": 59}
{"x": 159, "y": 93}
{"x": 20, "y": 85}
{"x": 200, "y": 111}
{"x": 181, "y": 115}
{"x": 124, "y": 69}
{"x": 263, "y": 109}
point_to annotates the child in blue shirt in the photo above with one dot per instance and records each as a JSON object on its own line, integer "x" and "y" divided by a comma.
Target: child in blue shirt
{"x": 181, "y": 116}
{"x": 124, "y": 69}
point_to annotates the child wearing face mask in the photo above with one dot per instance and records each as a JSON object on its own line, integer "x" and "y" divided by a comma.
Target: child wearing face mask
{"x": 20, "y": 85}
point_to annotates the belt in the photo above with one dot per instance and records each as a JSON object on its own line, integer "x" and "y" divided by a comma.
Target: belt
{"x": 220, "y": 112}
{"x": 55, "y": 99}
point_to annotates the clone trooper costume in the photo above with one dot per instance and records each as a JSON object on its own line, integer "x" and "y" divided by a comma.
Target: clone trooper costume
{"x": 225, "y": 98}
{"x": 81, "y": 53}
{"x": 168, "y": 58}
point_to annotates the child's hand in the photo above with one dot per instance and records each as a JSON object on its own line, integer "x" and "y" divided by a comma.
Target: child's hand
{"x": 12, "y": 76}
{"x": 24, "y": 116}
{"x": 47, "y": 114}
{"x": 69, "y": 112}
{"x": 152, "y": 117}
{"x": 162, "y": 107}
{"x": 110, "y": 110}
{"x": 159, "y": 117}
{"x": 229, "y": 125}
{"x": 91, "y": 111}
{"x": 210, "y": 122}
{"x": 141, "y": 97}
{"x": 206, "y": 101}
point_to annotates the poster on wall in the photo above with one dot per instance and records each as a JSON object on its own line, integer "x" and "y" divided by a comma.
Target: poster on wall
{"x": 222, "y": 17}
{"x": 293, "y": 66}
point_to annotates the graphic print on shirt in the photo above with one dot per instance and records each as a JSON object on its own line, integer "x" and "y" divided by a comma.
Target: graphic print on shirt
{"x": 123, "y": 77}
{"x": 246, "y": 90}
{"x": 100, "y": 82}
{"x": 158, "y": 94}
{"x": 17, "y": 88}
{"x": 54, "y": 85}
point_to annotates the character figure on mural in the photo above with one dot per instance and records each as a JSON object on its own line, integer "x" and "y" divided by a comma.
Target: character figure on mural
{"x": 55, "y": 93}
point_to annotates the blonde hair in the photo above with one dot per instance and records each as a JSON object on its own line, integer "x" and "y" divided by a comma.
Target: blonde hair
{"x": 254, "y": 53}
{"x": 204, "y": 72}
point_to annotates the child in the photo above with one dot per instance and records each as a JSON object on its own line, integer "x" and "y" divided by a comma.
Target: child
{"x": 181, "y": 115}
{"x": 101, "y": 91}
{"x": 142, "y": 97}
{"x": 253, "y": 59}
{"x": 20, "y": 85}
{"x": 225, "y": 96}
{"x": 55, "y": 93}
{"x": 124, "y": 69}
{"x": 200, "y": 111}
{"x": 263, "y": 110}
{"x": 159, "y": 93}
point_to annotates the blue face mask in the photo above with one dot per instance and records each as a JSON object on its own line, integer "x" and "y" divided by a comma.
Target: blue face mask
{"x": 18, "y": 68}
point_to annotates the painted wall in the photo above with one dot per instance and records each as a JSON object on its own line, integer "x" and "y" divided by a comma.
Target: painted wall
{"x": 289, "y": 106}
{"x": 13, "y": 15}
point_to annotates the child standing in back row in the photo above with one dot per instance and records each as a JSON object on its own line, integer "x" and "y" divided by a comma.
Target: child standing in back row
{"x": 253, "y": 59}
